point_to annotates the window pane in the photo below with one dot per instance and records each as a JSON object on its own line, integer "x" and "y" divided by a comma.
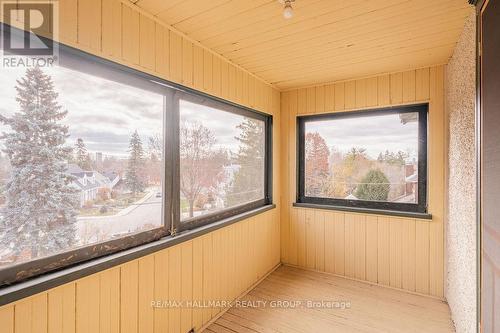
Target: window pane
{"x": 373, "y": 158}
{"x": 80, "y": 161}
{"x": 221, "y": 160}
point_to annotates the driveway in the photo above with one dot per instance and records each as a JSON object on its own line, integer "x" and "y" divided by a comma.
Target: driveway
{"x": 144, "y": 212}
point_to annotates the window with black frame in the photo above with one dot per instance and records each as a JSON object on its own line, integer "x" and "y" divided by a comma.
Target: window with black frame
{"x": 224, "y": 160}
{"x": 97, "y": 158}
{"x": 373, "y": 159}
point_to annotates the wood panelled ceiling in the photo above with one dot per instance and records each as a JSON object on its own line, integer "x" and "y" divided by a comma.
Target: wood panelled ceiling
{"x": 326, "y": 40}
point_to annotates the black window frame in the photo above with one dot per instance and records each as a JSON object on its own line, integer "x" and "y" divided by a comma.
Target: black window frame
{"x": 419, "y": 209}
{"x": 223, "y": 105}
{"x": 116, "y": 251}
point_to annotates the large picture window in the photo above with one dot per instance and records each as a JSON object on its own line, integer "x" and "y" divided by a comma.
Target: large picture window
{"x": 96, "y": 158}
{"x": 374, "y": 159}
{"x": 222, "y": 160}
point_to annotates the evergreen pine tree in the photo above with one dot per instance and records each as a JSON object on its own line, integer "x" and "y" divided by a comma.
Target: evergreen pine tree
{"x": 135, "y": 169}
{"x": 82, "y": 155}
{"x": 248, "y": 182}
{"x": 40, "y": 213}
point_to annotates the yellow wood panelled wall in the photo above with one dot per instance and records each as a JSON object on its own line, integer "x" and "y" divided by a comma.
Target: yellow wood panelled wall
{"x": 404, "y": 253}
{"x": 217, "y": 266}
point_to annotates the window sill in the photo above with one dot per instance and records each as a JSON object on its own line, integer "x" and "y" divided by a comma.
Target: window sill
{"x": 12, "y": 293}
{"x": 424, "y": 216}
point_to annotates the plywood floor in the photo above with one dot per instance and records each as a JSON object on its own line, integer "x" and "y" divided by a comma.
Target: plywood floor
{"x": 372, "y": 308}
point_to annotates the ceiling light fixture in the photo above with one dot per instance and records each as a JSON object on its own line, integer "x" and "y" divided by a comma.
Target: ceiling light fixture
{"x": 287, "y": 8}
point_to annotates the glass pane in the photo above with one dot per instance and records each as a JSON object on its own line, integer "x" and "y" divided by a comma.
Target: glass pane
{"x": 80, "y": 161}
{"x": 221, "y": 160}
{"x": 372, "y": 158}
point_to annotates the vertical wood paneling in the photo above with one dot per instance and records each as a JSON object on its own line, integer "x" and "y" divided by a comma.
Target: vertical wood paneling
{"x": 175, "y": 56}
{"x": 329, "y": 220}
{"x": 383, "y": 250}
{"x": 61, "y": 310}
{"x": 112, "y": 28}
{"x": 360, "y": 247}
{"x": 319, "y": 229}
{"x": 339, "y": 96}
{"x": 384, "y": 90}
{"x": 87, "y": 304}
{"x": 398, "y": 252}
{"x": 350, "y": 244}
{"x": 68, "y": 23}
{"x": 360, "y": 93}
{"x": 174, "y": 288}
{"x": 409, "y": 254}
{"x": 187, "y": 63}
{"x": 329, "y": 98}
{"x": 146, "y": 277}
{"x": 339, "y": 251}
{"x": 129, "y": 292}
{"x": 320, "y": 99}
{"x": 409, "y": 86}
{"x": 422, "y": 258}
{"x": 89, "y": 24}
{"x": 395, "y": 249}
{"x": 130, "y": 35}
{"x": 310, "y": 236}
{"x": 147, "y": 42}
{"x": 350, "y": 95}
{"x": 109, "y": 304}
{"x": 186, "y": 285}
{"x": 207, "y": 71}
{"x": 372, "y": 91}
{"x": 161, "y": 291}
{"x": 198, "y": 67}
{"x": 162, "y": 42}
{"x": 7, "y": 318}
{"x": 371, "y": 248}
{"x": 301, "y": 238}
{"x": 396, "y": 88}
{"x": 198, "y": 281}
{"x": 216, "y": 76}
{"x": 310, "y": 100}
{"x": 422, "y": 84}
{"x": 231, "y": 86}
{"x": 301, "y": 101}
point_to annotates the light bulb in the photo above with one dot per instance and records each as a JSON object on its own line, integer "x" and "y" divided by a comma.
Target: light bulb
{"x": 288, "y": 10}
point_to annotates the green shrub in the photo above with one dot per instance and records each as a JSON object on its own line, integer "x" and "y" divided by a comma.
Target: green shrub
{"x": 374, "y": 186}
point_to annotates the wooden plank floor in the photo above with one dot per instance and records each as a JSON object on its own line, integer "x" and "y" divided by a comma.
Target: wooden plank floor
{"x": 372, "y": 308}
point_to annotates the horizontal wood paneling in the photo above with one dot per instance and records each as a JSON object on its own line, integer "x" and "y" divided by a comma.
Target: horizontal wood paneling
{"x": 403, "y": 253}
{"x": 325, "y": 40}
{"x": 216, "y": 266}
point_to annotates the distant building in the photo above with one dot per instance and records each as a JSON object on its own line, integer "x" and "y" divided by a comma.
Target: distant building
{"x": 89, "y": 182}
{"x": 411, "y": 184}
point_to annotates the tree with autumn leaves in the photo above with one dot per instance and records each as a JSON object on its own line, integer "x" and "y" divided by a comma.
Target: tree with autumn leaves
{"x": 202, "y": 165}
{"x": 316, "y": 166}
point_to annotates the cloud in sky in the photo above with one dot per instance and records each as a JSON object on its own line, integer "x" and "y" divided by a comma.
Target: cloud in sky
{"x": 376, "y": 134}
{"x": 222, "y": 124}
{"x": 102, "y": 112}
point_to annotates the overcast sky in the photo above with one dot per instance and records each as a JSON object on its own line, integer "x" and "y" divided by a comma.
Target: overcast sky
{"x": 103, "y": 113}
{"x": 376, "y": 134}
{"x": 222, "y": 124}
